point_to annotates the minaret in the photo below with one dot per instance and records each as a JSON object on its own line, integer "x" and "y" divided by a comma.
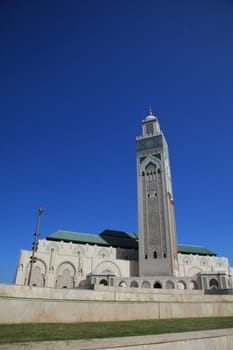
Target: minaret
{"x": 157, "y": 234}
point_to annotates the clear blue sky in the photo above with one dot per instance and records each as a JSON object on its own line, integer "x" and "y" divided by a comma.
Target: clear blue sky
{"x": 77, "y": 78}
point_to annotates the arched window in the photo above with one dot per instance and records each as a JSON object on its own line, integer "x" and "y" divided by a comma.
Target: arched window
{"x": 122, "y": 284}
{"x": 193, "y": 285}
{"x": 155, "y": 255}
{"x": 181, "y": 285}
{"x": 36, "y": 276}
{"x": 134, "y": 284}
{"x": 145, "y": 284}
{"x": 65, "y": 275}
{"x": 169, "y": 285}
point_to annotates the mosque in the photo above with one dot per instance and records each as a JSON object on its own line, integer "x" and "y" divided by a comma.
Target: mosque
{"x": 150, "y": 259}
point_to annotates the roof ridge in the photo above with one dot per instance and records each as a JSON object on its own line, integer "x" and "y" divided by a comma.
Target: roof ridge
{"x": 82, "y": 233}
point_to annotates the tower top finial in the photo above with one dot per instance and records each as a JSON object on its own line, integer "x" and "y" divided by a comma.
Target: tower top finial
{"x": 150, "y": 115}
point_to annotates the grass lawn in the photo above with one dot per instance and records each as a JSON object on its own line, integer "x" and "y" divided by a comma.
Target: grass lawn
{"x": 27, "y": 332}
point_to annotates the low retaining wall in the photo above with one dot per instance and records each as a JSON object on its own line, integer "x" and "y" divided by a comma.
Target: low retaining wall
{"x": 33, "y": 304}
{"x": 205, "y": 340}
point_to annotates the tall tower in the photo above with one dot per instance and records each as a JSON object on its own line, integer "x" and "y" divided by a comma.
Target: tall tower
{"x": 157, "y": 234}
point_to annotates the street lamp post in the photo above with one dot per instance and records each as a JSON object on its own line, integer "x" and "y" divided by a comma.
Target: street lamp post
{"x": 35, "y": 245}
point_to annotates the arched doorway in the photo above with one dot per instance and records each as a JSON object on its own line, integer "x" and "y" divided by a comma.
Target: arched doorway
{"x": 157, "y": 285}
{"x": 104, "y": 282}
{"x": 214, "y": 284}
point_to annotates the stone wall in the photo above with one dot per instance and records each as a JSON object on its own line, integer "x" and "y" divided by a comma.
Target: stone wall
{"x": 34, "y": 304}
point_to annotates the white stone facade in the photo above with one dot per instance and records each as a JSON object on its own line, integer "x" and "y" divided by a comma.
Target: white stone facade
{"x": 69, "y": 265}
{"x": 190, "y": 265}
{"x": 61, "y": 264}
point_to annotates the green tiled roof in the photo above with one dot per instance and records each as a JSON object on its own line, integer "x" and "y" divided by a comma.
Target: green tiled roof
{"x": 68, "y": 236}
{"x": 106, "y": 238}
{"x": 122, "y": 234}
{"x": 119, "y": 239}
{"x": 191, "y": 249}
